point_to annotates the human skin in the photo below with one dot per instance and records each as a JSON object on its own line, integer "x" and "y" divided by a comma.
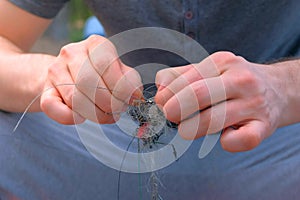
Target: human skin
{"x": 251, "y": 99}
{"x": 28, "y": 75}
{"x": 104, "y": 86}
{"x": 22, "y": 75}
{"x": 259, "y": 98}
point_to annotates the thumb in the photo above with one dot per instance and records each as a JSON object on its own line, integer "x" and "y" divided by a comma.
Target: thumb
{"x": 244, "y": 138}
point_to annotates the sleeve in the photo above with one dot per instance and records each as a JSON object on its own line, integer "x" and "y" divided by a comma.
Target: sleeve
{"x": 42, "y": 8}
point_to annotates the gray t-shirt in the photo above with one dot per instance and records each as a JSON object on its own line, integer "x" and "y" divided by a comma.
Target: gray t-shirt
{"x": 260, "y": 31}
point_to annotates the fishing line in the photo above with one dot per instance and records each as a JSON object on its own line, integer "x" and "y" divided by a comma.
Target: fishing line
{"x": 151, "y": 126}
{"x": 50, "y": 88}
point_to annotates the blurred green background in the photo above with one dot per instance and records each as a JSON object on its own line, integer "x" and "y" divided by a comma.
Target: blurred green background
{"x": 79, "y": 12}
{"x": 66, "y": 27}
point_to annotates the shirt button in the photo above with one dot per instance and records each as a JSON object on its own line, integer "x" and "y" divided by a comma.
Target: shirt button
{"x": 188, "y": 15}
{"x": 191, "y": 35}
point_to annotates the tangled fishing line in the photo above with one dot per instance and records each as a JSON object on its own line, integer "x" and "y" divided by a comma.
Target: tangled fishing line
{"x": 151, "y": 126}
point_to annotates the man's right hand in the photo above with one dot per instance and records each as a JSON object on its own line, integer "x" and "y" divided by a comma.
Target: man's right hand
{"x": 88, "y": 81}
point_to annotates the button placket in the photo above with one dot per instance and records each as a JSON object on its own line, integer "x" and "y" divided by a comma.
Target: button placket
{"x": 190, "y": 18}
{"x": 188, "y": 15}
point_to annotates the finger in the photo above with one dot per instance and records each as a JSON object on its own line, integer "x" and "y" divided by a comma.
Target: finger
{"x": 82, "y": 97}
{"x": 88, "y": 109}
{"x": 60, "y": 78}
{"x": 173, "y": 81}
{"x": 168, "y": 79}
{"x": 67, "y": 67}
{"x": 129, "y": 87}
{"x": 53, "y": 105}
{"x": 218, "y": 117}
{"x": 211, "y": 66}
{"x": 94, "y": 88}
{"x": 196, "y": 96}
{"x": 246, "y": 137}
{"x": 166, "y": 76}
{"x": 87, "y": 79}
{"x": 106, "y": 62}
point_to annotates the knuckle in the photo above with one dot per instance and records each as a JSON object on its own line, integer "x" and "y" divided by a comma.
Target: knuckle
{"x": 67, "y": 50}
{"x": 164, "y": 78}
{"x": 223, "y": 57}
{"x": 162, "y": 72}
{"x": 52, "y": 70}
{"x": 74, "y": 54}
{"x": 55, "y": 69}
{"x": 200, "y": 95}
{"x": 99, "y": 42}
{"x": 95, "y": 39}
{"x": 199, "y": 90}
{"x": 159, "y": 75}
{"x": 247, "y": 79}
{"x": 106, "y": 108}
{"x": 171, "y": 72}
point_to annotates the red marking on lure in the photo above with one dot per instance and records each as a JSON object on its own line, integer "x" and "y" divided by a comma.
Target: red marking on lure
{"x": 142, "y": 130}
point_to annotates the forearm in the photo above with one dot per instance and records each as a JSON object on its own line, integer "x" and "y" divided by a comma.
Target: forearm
{"x": 288, "y": 75}
{"x": 22, "y": 77}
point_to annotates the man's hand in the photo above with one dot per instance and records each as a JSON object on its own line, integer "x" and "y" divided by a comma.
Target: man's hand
{"x": 245, "y": 99}
{"x": 89, "y": 82}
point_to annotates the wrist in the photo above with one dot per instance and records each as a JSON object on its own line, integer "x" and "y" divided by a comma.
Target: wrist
{"x": 26, "y": 79}
{"x": 288, "y": 77}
